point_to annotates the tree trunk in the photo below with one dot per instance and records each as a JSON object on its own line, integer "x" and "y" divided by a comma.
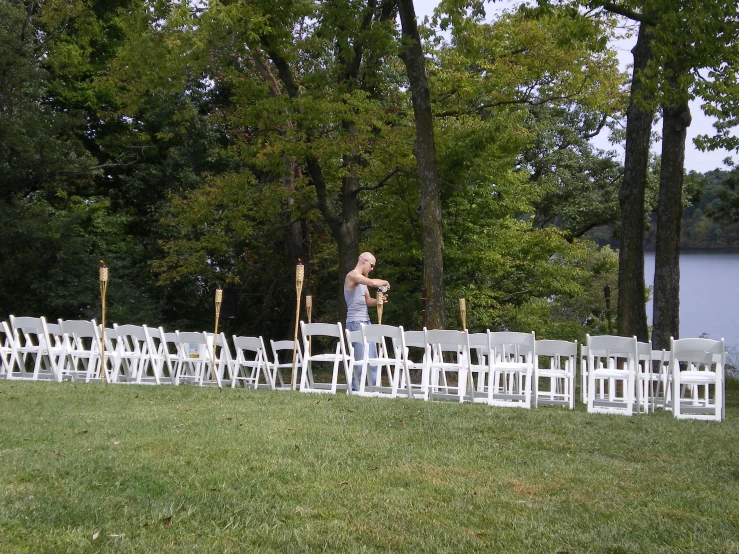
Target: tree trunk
{"x": 632, "y": 311}
{"x": 675, "y": 123}
{"x": 425, "y": 151}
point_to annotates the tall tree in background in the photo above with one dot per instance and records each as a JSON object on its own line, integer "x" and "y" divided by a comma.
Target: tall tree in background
{"x": 690, "y": 41}
{"x": 631, "y": 308}
{"x": 412, "y": 55}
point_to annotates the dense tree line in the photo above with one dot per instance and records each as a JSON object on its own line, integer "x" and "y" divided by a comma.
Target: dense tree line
{"x": 194, "y": 146}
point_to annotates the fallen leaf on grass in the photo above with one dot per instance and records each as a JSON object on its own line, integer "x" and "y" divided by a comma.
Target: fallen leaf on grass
{"x": 229, "y": 418}
{"x": 343, "y": 483}
{"x": 82, "y": 432}
{"x": 290, "y": 429}
{"x": 95, "y": 535}
{"x": 57, "y": 453}
{"x": 215, "y": 489}
{"x": 167, "y": 522}
{"x": 181, "y": 508}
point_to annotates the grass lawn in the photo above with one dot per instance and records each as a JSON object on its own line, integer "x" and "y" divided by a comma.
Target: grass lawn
{"x": 93, "y": 468}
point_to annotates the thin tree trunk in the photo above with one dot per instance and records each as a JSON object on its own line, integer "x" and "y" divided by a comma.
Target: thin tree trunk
{"x": 675, "y": 123}
{"x": 425, "y": 150}
{"x": 632, "y": 311}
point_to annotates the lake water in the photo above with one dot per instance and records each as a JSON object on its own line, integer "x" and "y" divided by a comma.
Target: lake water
{"x": 709, "y": 295}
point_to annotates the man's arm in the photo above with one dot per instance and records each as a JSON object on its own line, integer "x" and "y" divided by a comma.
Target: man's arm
{"x": 354, "y": 278}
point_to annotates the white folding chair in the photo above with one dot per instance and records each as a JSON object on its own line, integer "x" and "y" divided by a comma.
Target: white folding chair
{"x": 643, "y": 377}
{"x": 37, "y": 355}
{"x": 333, "y": 357}
{"x": 196, "y": 366}
{"x": 82, "y": 340}
{"x": 513, "y": 369}
{"x": 160, "y": 359}
{"x": 612, "y": 368}
{"x": 450, "y": 353}
{"x": 251, "y": 363}
{"x": 393, "y": 360}
{"x": 112, "y": 364}
{"x": 556, "y": 372}
{"x": 224, "y": 360}
{"x": 698, "y": 367}
{"x": 659, "y": 386}
{"x": 289, "y": 346}
{"x": 355, "y": 363}
{"x": 7, "y": 350}
{"x": 480, "y": 364}
{"x": 175, "y": 352}
{"x": 133, "y": 353}
{"x": 418, "y": 356}
{"x": 584, "y": 373}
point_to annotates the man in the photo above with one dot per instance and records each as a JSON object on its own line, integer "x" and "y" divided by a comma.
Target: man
{"x": 358, "y": 299}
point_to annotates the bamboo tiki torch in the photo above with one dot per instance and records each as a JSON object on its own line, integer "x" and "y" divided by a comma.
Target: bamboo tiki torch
{"x": 299, "y": 277}
{"x": 463, "y": 312}
{"x": 103, "y": 294}
{"x": 309, "y": 313}
{"x": 380, "y": 306}
{"x": 219, "y": 301}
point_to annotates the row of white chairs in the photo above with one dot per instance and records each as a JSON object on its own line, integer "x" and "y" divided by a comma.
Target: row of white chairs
{"x": 500, "y": 369}
{"x": 32, "y": 349}
{"x": 621, "y": 375}
{"x": 618, "y": 374}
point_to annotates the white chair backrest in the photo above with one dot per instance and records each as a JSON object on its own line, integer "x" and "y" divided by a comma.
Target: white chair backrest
{"x": 512, "y": 343}
{"x": 251, "y": 344}
{"x": 556, "y": 348}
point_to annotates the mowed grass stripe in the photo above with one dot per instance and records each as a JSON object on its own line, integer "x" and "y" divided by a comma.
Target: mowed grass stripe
{"x": 91, "y": 468}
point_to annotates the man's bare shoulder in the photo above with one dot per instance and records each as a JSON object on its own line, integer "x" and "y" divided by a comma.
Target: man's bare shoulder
{"x": 352, "y": 279}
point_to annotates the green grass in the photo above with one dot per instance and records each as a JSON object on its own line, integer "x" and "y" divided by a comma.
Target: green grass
{"x": 90, "y": 468}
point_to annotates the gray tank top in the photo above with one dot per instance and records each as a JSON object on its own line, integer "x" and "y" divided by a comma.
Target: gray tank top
{"x": 356, "y": 305}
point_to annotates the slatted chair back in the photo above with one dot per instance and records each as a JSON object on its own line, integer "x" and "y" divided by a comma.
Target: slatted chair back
{"x": 612, "y": 367}
{"x": 514, "y": 367}
{"x": 36, "y": 355}
{"x": 390, "y": 357}
{"x": 252, "y": 365}
{"x": 82, "y": 340}
{"x": 333, "y": 359}
{"x": 450, "y": 376}
{"x": 556, "y": 371}
{"x": 698, "y": 380}
{"x": 282, "y": 359}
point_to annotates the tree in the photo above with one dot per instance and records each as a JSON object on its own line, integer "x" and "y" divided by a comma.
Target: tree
{"x": 426, "y": 165}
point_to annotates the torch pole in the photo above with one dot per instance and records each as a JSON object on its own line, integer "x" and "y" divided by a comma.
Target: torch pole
{"x": 103, "y": 293}
{"x": 309, "y": 314}
{"x": 299, "y": 278}
{"x": 463, "y": 312}
{"x": 380, "y": 306}
{"x": 219, "y": 301}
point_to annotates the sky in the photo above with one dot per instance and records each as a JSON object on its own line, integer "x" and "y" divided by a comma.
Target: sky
{"x": 695, "y": 160}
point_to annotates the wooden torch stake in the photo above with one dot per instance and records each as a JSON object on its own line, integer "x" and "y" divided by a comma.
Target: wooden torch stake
{"x": 309, "y": 314}
{"x": 299, "y": 277}
{"x": 380, "y": 306}
{"x": 463, "y": 312}
{"x": 219, "y": 301}
{"x": 103, "y": 294}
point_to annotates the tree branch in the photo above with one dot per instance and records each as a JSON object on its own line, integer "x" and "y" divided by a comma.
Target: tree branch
{"x": 383, "y": 182}
{"x": 628, "y": 13}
